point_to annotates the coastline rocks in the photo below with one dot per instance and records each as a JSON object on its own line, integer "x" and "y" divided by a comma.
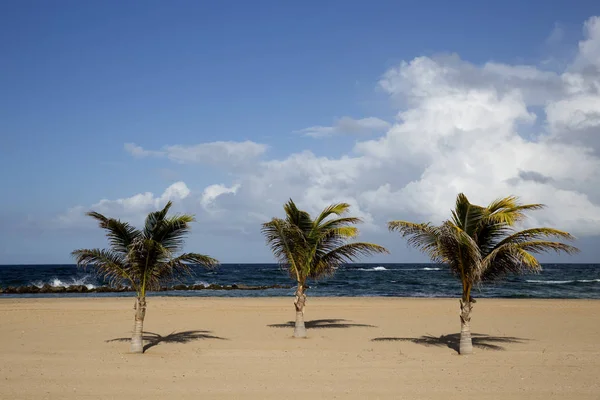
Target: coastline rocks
{"x": 46, "y": 288}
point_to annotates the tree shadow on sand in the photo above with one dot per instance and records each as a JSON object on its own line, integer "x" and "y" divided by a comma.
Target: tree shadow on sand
{"x": 154, "y": 339}
{"x": 452, "y": 341}
{"x": 323, "y": 324}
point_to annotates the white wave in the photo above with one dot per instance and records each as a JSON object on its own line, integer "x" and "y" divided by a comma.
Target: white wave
{"x": 205, "y": 284}
{"x": 563, "y": 282}
{"x": 380, "y": 268}
{"x": 431, "y": 269}
{"x": 55, "y": 282}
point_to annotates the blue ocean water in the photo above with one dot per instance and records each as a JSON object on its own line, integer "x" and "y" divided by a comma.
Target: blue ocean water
{"x": 581, "y": 281}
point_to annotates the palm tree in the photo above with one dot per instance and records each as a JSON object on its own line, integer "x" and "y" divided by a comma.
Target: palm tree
{"x": 480, "y": 244}
{"x": 311, "y": 249}
{"x": 143, "y": 258}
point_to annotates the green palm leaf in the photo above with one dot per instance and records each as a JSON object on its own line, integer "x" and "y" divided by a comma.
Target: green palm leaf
{"x": 481, "y": 244}
{"x": 329, "y": 262}
{"x": 120, "y": 234}
{"x": 143, "y": 259}
{"x": 314, "y": 248}
{"x": 109, "y": 264}
{"x": 424, "y": 237}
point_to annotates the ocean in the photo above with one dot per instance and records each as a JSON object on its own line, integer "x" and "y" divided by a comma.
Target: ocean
{"x": 568, "y": 281}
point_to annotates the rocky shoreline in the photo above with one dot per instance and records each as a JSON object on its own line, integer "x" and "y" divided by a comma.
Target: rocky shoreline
{"x": 31, "y": 289}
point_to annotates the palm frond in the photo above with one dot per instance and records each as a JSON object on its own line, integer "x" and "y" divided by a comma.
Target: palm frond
{"x": 154, "y": 220}
{"x": 108, "y": 264}
{"x": 535, "y": 234}
{"x": 142, "y": 259}
{"x": 172, "y": 231}
{"x": 120, "y": 234}
{"x": 334, "y": 209}
{"x": 310, "y": 249}
{"x": 181, "y": 265}
{"x": 503, "y": 203}
{"x": 329, "y": 262}
{"x": 345, "y": 232}
{"x": 338, "y": 222}
{"x": 544, "y": 246}
{"x": 297, "y": 217}
{"x": 467, "y": 216}
{"x": 459, "y": 251}
{"x": 287, "y": 242}
{"x": 508, "y": 259}
{"x": 480, "y": 244}
{"x": 509, "y": 211}
{"x": 423, "y": 237}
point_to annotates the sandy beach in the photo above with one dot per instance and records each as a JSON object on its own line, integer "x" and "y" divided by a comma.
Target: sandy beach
{"x": 376, "y": 348}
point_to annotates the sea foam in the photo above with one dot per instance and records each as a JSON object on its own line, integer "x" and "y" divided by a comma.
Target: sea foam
{"x": 564, "y": 282}
{"x": 55, "y": 282}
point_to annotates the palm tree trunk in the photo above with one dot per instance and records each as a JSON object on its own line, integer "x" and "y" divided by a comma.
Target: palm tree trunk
{"x": 137, "y": 343}
{"x": 466, "y": 343}
{"x": 299, "y": 328}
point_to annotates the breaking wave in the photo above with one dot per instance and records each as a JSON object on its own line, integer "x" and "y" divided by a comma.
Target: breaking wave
{"x": 55, "y": 282}
{"x": 380, "y": 268}
{"x": 564, "y": 282}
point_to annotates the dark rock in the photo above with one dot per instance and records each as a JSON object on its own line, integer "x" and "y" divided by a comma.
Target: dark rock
{"x": 46, "y": 288}
{"x": 281, "y": 287}
{"x": 107, "y": 289}
{"x": 245, "y": 287}
{"x": 77, "y": 289}
{"x": 27, "y": 289}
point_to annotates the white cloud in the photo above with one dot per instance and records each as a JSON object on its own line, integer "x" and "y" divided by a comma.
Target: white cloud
{"x": 132, "y": 209}
{"x": 459, "y": 128}
{"x": 217, "y": 153}
{"x": 347, "y": 125}
{"x": 211, "y": 193}
{"x": 589, "y": 48}
{"x": 138, "y": 151}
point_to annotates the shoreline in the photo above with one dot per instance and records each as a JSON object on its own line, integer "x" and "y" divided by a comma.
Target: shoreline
{"x": 77, "y": 297}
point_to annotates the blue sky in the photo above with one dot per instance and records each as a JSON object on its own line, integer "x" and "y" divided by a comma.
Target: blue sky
{"x": 79, "y": 80}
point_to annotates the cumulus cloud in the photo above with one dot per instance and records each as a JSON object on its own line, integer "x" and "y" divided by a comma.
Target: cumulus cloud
{"x": 217, "y": 153}
{"x": 347, "y": 126}
{"x": 133, "y": 208}
{"x": 460, "y": 127}
{"x": 212, "y": 192}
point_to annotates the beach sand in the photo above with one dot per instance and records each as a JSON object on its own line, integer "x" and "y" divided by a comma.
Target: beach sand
{"x": 532, "y": 349}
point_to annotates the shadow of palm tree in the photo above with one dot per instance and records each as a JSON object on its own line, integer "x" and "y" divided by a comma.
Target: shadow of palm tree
{"x": 323, "y": 323}
{"x": 154, "y": 339}
{"x": 452, "y": 341}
